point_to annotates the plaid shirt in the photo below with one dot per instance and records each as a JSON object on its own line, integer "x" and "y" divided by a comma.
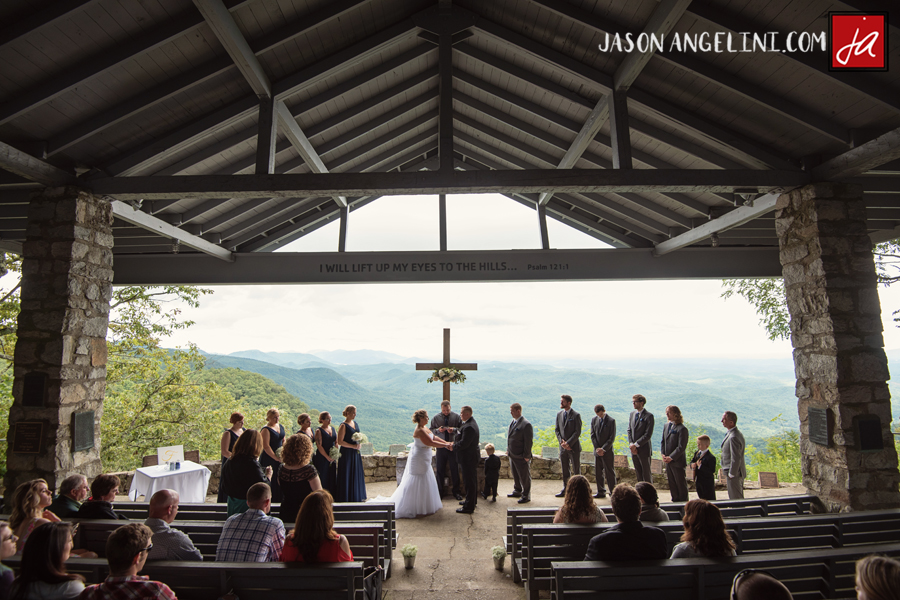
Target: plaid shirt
{"x": 251, "y": 536}
{"x": 128, "y": 588}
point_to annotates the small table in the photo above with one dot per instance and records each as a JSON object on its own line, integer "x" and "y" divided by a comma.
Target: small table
{"x": 190, "y": 481}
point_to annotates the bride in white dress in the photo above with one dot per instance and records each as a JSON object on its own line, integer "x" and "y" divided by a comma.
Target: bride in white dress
{"x": 418, "y": 492}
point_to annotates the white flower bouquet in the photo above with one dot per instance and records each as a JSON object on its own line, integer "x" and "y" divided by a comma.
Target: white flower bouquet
{"x": 447, "y": 374}
{"x": 334, "y": 453}
{"x": 360, "y": 438}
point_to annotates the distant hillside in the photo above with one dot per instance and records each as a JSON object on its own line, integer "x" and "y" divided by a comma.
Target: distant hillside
{"x": 254, "y": 390}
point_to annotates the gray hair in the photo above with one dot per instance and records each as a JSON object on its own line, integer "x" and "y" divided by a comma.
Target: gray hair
{"x": 70, "y": 483}
{"x": 731, "y": 416}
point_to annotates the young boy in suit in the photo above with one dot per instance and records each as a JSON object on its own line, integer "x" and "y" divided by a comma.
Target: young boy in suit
{"x": 491, "y": 473}
{"x": 704, "y": 465}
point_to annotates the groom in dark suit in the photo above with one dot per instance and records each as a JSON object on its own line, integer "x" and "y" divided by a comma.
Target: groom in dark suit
{"x": 468, "y": 453}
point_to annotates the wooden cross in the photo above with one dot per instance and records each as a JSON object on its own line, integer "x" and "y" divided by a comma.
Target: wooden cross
{"x": 447, "y": 364}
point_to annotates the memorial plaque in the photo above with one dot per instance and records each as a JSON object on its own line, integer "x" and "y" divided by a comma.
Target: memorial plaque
{"x": 587, "y": 458}
{"x": 396, "y": 449}
{"x": 367, "y": 449}
{"x": 550, "y": 452}
{"x": 819, "y": 426}
{"x": 29, "y": 437}
{"x": 656, "y": 466}
{"x": 869, "y": 437}
{"x": 768, "y": 480}
{"x": 620, "y": 461}
{"x": 34, "y": 390}
{"x": 83, "y": 430}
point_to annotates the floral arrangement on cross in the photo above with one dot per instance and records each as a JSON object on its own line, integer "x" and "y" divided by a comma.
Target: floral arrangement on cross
{"x": 446, "y": 374}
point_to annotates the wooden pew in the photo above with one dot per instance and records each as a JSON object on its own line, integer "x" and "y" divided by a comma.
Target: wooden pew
{"x": 366, "y": 539}
{"x": 516, "y": 517}
{"x": 250, "y": 581}
{"x": 808, "y": 575}
{"x": 545, "y": 544}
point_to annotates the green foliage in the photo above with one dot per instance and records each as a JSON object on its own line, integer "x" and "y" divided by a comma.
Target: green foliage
{"x": 768, "y": 297}
{"x": 781, "y": 455}
{"x": 260, "y": 393}
{"x": 9, "y": 313}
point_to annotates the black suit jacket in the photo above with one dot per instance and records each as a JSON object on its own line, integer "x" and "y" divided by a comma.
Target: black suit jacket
{"x": 628, "y": 541}
{"x": 98, "y": 509}
{"x": 467, "y": 444}
{"x": 640, "y": 430}
{"x": 706, "y": 469}
{"x": 674, "y": 444}
{"x": 603, "y": 438}
{"x": 519, "y": 439}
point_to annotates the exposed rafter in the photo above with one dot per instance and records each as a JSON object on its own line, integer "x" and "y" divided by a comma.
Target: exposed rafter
{"x": 866, "y": 157}
{"x": 130, "y": 215}
{"x": 31, "y": 168}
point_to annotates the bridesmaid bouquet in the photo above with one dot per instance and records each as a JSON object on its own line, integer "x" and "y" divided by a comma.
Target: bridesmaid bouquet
{"x": 360, "y": 438}
{"x": 334, "y": 453}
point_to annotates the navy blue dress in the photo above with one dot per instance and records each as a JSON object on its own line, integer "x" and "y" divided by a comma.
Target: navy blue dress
{"x": 351, "y": 479}
{"x": 222, "y": 496}
{"x": 327, "y": 469}
{"x": 275, "y": 441}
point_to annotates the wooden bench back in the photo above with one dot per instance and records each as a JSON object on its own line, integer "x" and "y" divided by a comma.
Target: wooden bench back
{"x": 808, "y": 574}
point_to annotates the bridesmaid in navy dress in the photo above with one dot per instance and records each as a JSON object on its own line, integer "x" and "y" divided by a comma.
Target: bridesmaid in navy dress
{"x": 351, "y": 479}
{"x": 272, "y": 437}
{"x": 326, "y": 439}
{"x": 229, "y": 437}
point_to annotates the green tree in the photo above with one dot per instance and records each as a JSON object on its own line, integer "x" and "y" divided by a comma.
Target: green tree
{"x": 781, "y": 455}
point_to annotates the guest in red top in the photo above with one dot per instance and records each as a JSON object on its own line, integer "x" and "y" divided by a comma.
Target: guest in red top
{"x": 313, "y": 539}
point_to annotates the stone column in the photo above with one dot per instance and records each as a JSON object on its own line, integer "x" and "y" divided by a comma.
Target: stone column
{"x": 839, "y": 360}
{"x": 60, "y": 356}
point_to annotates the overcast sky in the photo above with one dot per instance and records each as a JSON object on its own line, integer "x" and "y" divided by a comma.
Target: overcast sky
{"x": 489, "y": 321}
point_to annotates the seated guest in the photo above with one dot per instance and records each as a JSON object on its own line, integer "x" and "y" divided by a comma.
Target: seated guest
{"x": 43, "y": 571}
{"x": 99, "y": 505}
{"x": 877, "y": 578}
{"x": 29, "y": 510}
{"x": 72, "y": 492}
{"x": 313, "y": 539}
{"x": 704, "y": 532}
{"x": 168, "y": 543}
{"x": 650, "y": 510}
{"x": 126, "y": 552}
{"x": 252, "y": 536}
{"x": 243, "y": 470}
{"x": 7, "y": 549}
{"x": 578, "y": 505}
{"x": 297, "y": 476}
{"x": 630, "y": 539}
{"x": 751, "y": 584}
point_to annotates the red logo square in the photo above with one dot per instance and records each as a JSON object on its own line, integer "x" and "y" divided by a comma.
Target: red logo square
{"x": 857, "y": 41}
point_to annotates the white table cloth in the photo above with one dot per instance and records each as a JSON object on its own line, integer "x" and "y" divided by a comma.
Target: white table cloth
{"x": 190, "y": 481}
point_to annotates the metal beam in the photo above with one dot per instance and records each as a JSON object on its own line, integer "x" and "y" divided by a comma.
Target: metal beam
{"x": 510, "y": 265}
{"x": 31, "y": 168}
{"x": 128, "y": 214}
{"x": 342, "y": 229}
{"x": 870, "y": 155}
{"x": 442, "y": 222}
{"x": 370, "y": 184}
{"x": 267, "y": 128}
{"x": 619, "y": 130}
{"x": 226, "y": 31}
{"x": 739, "y": 216}
{"x": 542, "y": 225}
{"x": 301, "y": 144}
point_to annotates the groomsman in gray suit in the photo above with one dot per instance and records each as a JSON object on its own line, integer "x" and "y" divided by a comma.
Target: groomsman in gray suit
{"x": 672, "y": 449}
{"x": 518, "y": 447}
{"x": 733, "y": 457}
{"x": 640, "y": 430}
{"x": 568, "y": 430}
{"x": 603, "y": 434}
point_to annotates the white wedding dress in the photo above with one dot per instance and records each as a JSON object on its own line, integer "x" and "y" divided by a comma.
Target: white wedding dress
{"x": 418, "y": 492}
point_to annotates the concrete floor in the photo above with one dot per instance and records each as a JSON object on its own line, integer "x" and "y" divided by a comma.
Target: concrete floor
{"x": 454, "y": 558}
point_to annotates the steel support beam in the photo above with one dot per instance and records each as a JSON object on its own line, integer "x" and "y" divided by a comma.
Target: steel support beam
{"x": 442, "y": 221}
{"x": 128, "y": 214}
{"x": 542, "y": 225}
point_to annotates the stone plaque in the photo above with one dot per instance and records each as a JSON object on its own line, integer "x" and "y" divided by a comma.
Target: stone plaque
{"x": 83, "y": 430}
{"x": 620, "y": 461}
{"x": 367, "y": 449}
{"x": 29, "y": 437}
{"x": 656, "y": 466}
{"x": 396, "y": 449}
{"x": 768, "y": 480}
{"x": 550, "y": 452}
{"x": 819, "y": 426}
{"x": 587, "y": 458}
{"x": 34, "y": 390}
{"x": 868, "y": 433}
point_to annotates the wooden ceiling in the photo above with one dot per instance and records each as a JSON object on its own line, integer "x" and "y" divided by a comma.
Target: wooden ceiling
{"x": 167, "y": 105}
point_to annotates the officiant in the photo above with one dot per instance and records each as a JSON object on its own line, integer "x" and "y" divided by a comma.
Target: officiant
{"x": 444, "y": 426}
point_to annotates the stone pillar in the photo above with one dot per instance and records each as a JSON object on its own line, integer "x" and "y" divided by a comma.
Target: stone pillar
{"x": 60, "y": 356}
{"x": 839, "y": 360}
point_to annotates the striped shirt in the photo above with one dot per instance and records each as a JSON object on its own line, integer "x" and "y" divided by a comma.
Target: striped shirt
{"x": 252, "y": 536}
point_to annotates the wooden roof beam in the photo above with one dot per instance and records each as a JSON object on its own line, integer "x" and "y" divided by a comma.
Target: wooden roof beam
{"x": 857, "y": 161}
{"x": 24, "y": 165}
{"x": 47, "y": 15}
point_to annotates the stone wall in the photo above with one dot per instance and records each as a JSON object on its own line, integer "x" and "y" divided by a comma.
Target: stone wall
{"x": 67, "y": 275}
{"x": 839, "y": 360}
